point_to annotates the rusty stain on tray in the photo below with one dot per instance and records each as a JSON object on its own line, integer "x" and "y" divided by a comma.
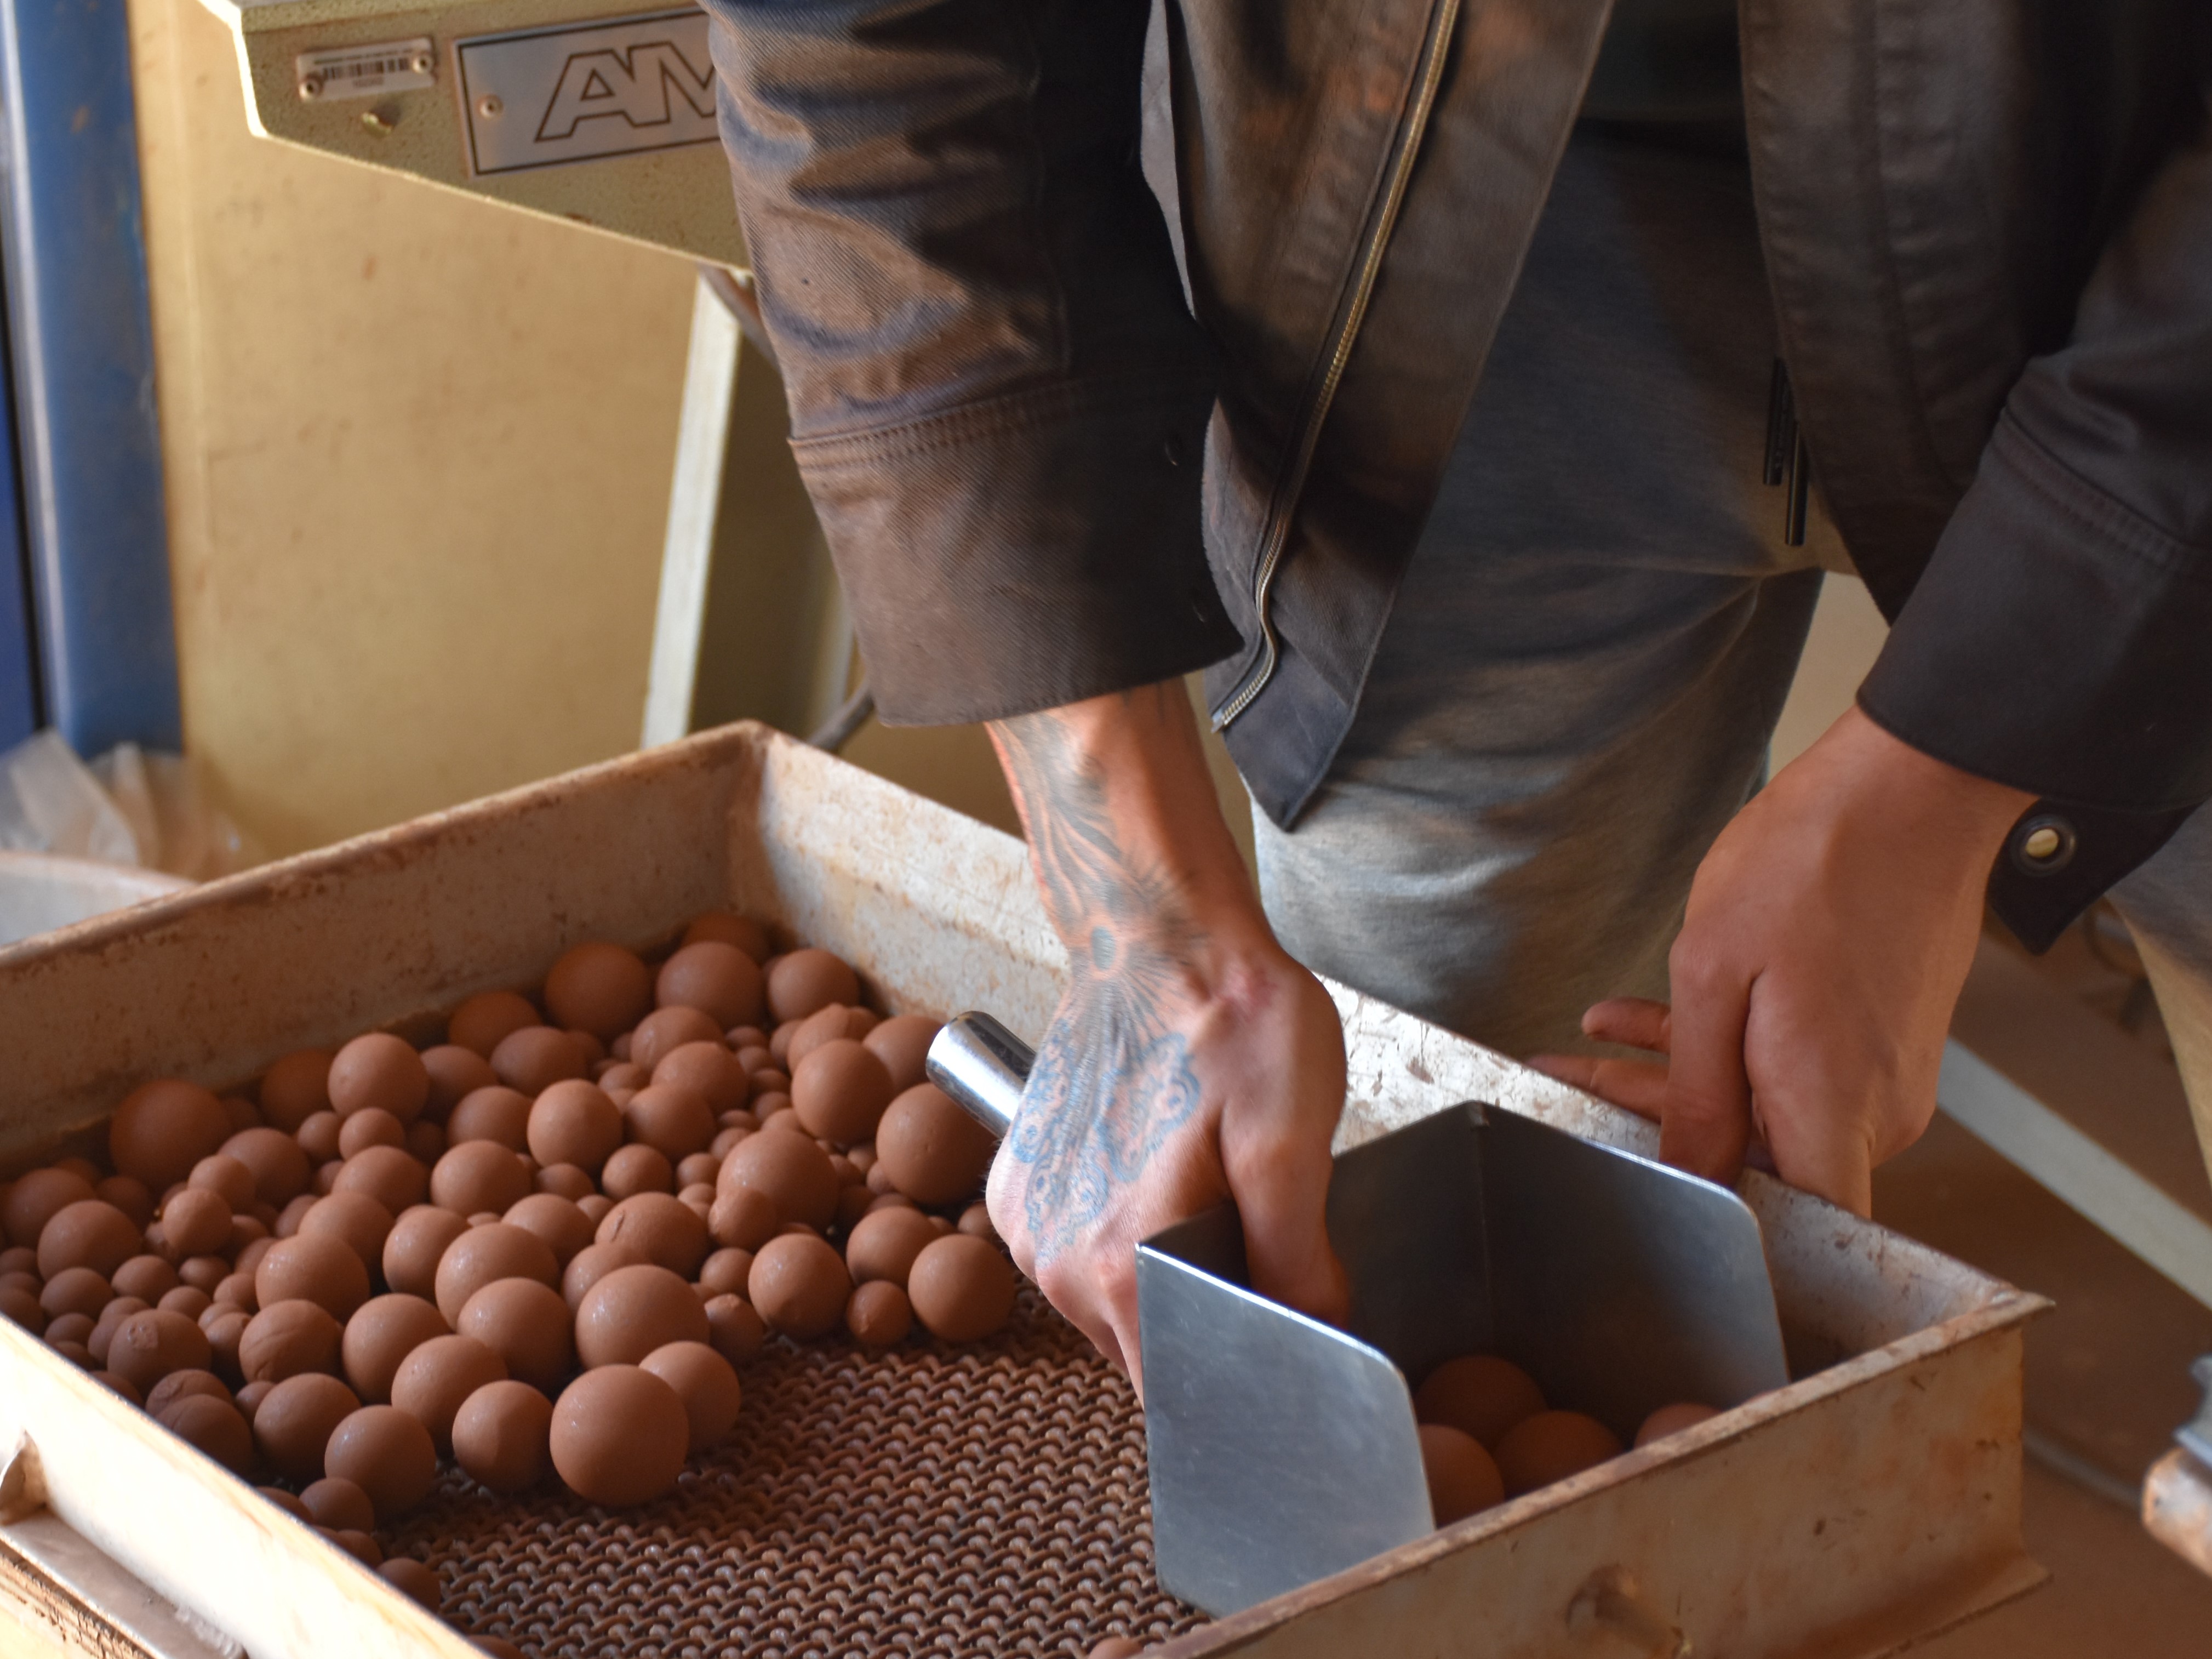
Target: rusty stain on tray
{"x": 959, "y": 1502}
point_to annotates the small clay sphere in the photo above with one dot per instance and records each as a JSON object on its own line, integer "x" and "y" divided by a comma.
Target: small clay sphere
{"x": 565, "y": 1181}
{"x": 21, "y": 1307}
{"x": 161, "y": 1129}
{"x": 526, "y": 1324}
{"x": 359, "y": 1545}
{"x": 36, "y": 1199}
{"x": 573, "y": 1123}
{"x": 381, "y": 1336}
{"x": 194, "y": 1222}
{"x": 426, "y": 1141}
{"x": 555, "y": 1219}
{"x": 1673, "y": 1419}
{"x": 704, "y": 1382}
{"x": 370, "y": 1126}
{"x": 378, "y": 1071}
{"x": 631, "y": 1310}
{"x": 226, "y": 1329}
{"x": 149, "y": 1277}
{"x": 1551, "y": 1446}
{"x": 77, "y": 1355}
{"x": 725, "y": 1271}
{"x": 433, "y": 1381}
{"x": 287, "y": 1340}
{"x": 77, "y": 1290}
{"x": 127, "y": 1195}
{"x": 319, "y": 1137}
{"x": 295, "y": 1422}
{"x": 314, "y": 1267}
{"x": 932, "y": 1152}
{"x": 204, "y": 1273}
{"x": 699, "y": 1199}
{"x": 719, "y": 980}
{"x": 111, "y": 1321}
{"x": 236, "y": 1290}
{"x": 147, "y": 1346}
{"x": 89, "y": 1233}
{"x": 636, "y": 1169}
{"x": 799, "y": 1284}
{"x": 388, "y": 1453}
{"x": 456, "y": 1072}
{"x": 734, "y": 1329}
{"x": 975, "y": 1222}
{"x": 1479, "y": 1395}
{"x": 840, "y": 1090}
{"x": 225, "y": 1177}
{"x": 591, "y": 1264}
{"x": 339, "y": 1504}
{"x": 179, "y": 1384}
{"x": 478, "y": 1175}
{"x": 665, "y": 1031}
{"x": 901, "y": 1042}
{"x": 789, "y": 1170}
{"x": 392, "y": 1178}
{"x": 295, "y": 1089}
{"x": 595, "y": 1207}
{"x": 1463, "y": 1477}
{"x": 962, "y": 1288}
{"x": 600, "y": 988}
{"x": 412, "y": 1250}
{"x": 771, "y": 1093}
{"x": 484, "y": 1020}
{"x": 805, "y": 981}
{"x": 69, "y": 1330}
{"x": 884, "y": 1243}
{"x": 672, "y": 1118}
{"x": 499, "y": 1436}
{"x": 623, "y": 1074}
{"x": 249, "y": 1397}
{"x": 483, "y": 1254}
{"x": 824, "y": 1026}
{"x": 535, "y": 1058}
{"x": 619, "y": 1435}
{"x": 187, "y": 1299}
{"x": 494, "y": 1113}
{"x": 743, "y": 932}
{"x": 355, "y": 1220}
{"x": 665, "y": 1229}
{"x": 878, "y": 1314}
{"x": 213, "y": 1426}
{"x": 413, "y": 1580}
{"x": 710, "y": 1070}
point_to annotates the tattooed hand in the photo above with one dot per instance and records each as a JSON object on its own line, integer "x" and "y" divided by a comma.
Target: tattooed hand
{"x": 1191, "y": 1059}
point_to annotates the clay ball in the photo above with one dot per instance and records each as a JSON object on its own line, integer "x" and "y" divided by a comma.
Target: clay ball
{"x": 478, "y": 1175}
{"x": 878, "y": 1315}
{"x": 495, "y": 1113}
{"x": 287, "y": 1340}
{"x": 671, "y": 1118}
{"x": 962, "y": 1288}
{"x": 91, "y": 1233}
{"x": 413, "y": 1580}
{"x": 280, "y": 1170}
{"x": 388, "y": 1454}
{"x": 225, "y": 1176}
{"x": 636, "y": 1169}
{"x": 296, "y": 1419}
{"x": 433, "y": 1383}
{"x": 339, "y": 1504}
{"x": 483, "y": 1254}
{"x": 704, "y": 1382}
{"x": 1551, "y": 1446}
{"x": 147, "y": 1277}
{"x": 163, "y": 1128}
{"x": 884, "y": 1243}
{"x": 719, "y": 980}
{"x": 591, "y": 1264}
{"x": 355, "y": 1220}
{"x": 36, "y": 1199}
{"x": 665, "y": 1031}
{"x": 456, "y": 1072}
{"x": 840, "y": 1091}
{"x": 412, "y": 1250}
{"x": 77, "y": 1291}
{"x": 1480, "y": 1395}
{"x": 743, "y": 1218}
{"x": 381, "y": 1336}
{"x": 743, "y": 932}
{"x": 484, "y": 1020}
{"x": 555, "y": 1219}
{"x": 395, "y": 1179}
{"x": 378, "y": 1071}
{"x": 632, "y": 1310}
{"x": 734, "y": 1329}
{"x": 901, "y": 1042}
{"x": 600, "y": 988}
{"x": 213, "y": 1425}
{"x": 575, "y": 1123}
{"x": 805, "y": 981}
{"x": 526, "y": 1324}
{"x": 147, "y": 1346}
{"x": 664, "y": 1229}
{"x": 789, "y": 1170}
{"x": 619, "y": 1435}
{"x": 1463, "y": 1476}
{"x": 709, "y": 1069}
{"x": 931, "y": 1149}
{"x": 295, "y": 1089}
{"x": 371, "y": 1126}
{"x": 499, "y": 1436}
{"x": 1673, "y": 1419}
{"x": 535, "y": 1058}
{"x": 314, "y": 1267}
{"x": 799, "y": 1284}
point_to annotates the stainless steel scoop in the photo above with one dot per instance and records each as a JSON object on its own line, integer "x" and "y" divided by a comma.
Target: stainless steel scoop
{"x": 1282, "y": 1449}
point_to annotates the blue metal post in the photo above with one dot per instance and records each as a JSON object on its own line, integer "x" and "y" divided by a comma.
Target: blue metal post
{"x": 84, "y": 350}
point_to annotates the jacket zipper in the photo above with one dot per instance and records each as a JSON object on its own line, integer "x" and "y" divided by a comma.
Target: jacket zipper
{"x": 1371, "y": 267}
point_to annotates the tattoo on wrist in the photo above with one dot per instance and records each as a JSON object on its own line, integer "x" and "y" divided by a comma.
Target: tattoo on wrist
{"x": 1112, "y": 1077}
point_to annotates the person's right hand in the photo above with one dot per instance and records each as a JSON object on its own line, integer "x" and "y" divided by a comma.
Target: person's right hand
{"x": 1190, "y": 1059}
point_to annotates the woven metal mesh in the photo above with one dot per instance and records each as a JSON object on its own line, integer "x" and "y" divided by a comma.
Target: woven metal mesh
{"x": 963, "y": 1501}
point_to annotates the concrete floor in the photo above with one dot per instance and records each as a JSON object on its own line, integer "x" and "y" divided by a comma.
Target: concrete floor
{"x": 2108, "y": 1383}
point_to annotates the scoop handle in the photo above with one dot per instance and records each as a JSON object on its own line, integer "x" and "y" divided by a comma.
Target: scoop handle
{"x": 982, "y": 1066}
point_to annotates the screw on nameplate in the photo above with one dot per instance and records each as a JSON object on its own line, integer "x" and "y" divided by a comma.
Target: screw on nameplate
{"x": 1609, "y": 1600}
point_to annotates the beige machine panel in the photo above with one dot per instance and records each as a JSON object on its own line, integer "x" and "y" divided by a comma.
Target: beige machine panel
{"x": 585, "y": 110}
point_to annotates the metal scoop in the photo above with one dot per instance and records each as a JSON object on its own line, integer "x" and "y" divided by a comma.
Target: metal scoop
{"x": 1282, "y": 1449}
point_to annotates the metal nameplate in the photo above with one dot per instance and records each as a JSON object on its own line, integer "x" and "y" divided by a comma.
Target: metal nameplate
{"x": 367, "y": 71}
{"x": 548, "y": 97}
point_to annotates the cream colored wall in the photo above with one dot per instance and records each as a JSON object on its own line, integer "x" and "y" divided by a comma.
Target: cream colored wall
{"x": 418, "y": 454}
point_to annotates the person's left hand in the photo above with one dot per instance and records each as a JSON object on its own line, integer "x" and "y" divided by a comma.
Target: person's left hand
{"x": 1828, "y": 932}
